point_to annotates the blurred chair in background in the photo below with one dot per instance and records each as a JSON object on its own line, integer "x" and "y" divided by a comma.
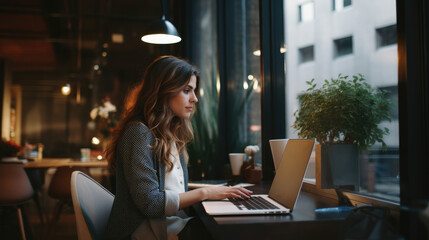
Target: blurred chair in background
{"x": 37, "y": 179}
{"x": 59, "y": 189}
{"x": 15, "y": 190}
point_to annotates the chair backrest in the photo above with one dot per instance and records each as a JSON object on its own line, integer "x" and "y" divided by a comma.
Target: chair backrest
{"x": 92, "y": 205}
{"x": 60, "y": 187}
{"x": 15, "y": 187}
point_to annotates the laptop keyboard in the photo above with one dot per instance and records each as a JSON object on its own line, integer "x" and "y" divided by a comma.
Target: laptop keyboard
{"x": 252, "y": 203}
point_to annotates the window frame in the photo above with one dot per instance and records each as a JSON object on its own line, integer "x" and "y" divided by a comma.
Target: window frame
{"x": 413, "y": 95}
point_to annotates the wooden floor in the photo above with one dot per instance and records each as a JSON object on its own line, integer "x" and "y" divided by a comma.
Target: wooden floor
{"x": 65, "y": 228}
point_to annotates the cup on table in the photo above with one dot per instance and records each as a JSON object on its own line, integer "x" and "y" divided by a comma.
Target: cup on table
{"x": 277, "y": 148}
{"x": 85, "y": 154}
{"x": 236, "y": 160}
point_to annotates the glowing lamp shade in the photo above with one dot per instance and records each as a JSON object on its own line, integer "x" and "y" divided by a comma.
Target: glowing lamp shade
{"x": 161, "y": 32}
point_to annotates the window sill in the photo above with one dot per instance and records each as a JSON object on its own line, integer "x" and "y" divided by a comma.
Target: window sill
{"x": 309, "y": 185}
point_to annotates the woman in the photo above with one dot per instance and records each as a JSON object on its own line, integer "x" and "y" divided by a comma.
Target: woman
{"x": 148, "y": 154}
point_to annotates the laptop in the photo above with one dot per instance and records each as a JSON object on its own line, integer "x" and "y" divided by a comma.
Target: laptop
{"x": 284, "y": 190}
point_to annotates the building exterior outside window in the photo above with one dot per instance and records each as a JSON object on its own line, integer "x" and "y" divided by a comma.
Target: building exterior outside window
{"x": 348, "y": 42}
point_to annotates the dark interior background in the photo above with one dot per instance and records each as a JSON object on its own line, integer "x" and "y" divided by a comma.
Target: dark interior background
{"x": 45, "y": 44}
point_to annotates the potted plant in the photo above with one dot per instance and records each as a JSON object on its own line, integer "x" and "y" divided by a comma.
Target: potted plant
{"x": 104, "y": 118}
{"x": 343, "y": 115}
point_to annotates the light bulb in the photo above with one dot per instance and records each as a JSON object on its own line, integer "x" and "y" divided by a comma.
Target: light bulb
{"x": 65, "y": 90}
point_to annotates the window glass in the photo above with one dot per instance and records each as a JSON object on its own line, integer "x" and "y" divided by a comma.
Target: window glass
{"x": 343, "y": 46}
{"x": 203, "y": 151}
{"x": 338, "y": 5}
{"x": 386, "y": 36}
{"x": 349, "y": 35}
{"x": 306, "y": 12}
{"x": 306, "y": 54}
{"x": 243, "y": 78}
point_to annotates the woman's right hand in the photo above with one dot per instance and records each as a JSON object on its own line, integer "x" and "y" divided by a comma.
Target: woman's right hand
{"x": 212, "y": 193}
{"x": 222, "y": 192}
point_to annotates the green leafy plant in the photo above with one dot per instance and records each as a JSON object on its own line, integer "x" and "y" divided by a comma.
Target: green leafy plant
{"x": 343, "y": 110}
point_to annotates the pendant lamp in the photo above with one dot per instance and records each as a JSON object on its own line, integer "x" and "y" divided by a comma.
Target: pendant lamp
{"x": 161, "y": 31}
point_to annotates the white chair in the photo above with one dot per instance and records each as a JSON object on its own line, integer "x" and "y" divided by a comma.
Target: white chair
{"x": 92, "y": 204}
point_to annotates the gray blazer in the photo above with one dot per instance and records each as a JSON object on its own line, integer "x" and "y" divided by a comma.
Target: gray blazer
{"x": 140, "y": 193}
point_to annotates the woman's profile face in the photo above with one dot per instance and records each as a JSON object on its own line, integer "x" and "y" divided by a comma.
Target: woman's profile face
{"x": 183, "y": 103}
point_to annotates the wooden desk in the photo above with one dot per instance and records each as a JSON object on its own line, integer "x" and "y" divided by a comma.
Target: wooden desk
{"x": 302, "y": 223}
{"x": 65, "y": 162}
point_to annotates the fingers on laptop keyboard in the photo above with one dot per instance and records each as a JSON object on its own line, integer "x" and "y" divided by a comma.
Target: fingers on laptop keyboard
{"x": 239, "y": 192}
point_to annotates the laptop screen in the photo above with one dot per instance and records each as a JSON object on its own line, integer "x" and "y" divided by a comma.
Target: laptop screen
{"x": 290, "y": 174}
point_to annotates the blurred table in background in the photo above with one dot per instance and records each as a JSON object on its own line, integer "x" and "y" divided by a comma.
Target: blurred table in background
{"x": 66, "y": 162}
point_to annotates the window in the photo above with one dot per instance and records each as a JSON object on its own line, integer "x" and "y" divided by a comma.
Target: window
{"x": 306, "y": 12}
{"x": 338, "y": 5}
{"x": 204, "y": 151}
{"x": 229, "y": 108}
{"x": 343, "y": 46}
{"x": 306, "y": 54}
{"x": 379, "y": 170}
{"x": 386, "y": 36}
{"x": 241, "y": 78}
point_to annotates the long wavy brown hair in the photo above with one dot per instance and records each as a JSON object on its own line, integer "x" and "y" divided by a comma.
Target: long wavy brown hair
{"x": 148, "y": 102}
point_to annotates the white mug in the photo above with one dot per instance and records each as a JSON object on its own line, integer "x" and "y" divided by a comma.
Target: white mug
{"x": 277, "y": 148}
{"x": 236, "y": 160}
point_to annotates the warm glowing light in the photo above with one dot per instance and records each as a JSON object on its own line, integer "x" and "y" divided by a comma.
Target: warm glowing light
{"x": 65, "y": 90}
{"x": 104, "y": 54}
{"x": 117, "y": 38}
{"x": 255, "y": 128}
{"x": 95, "y": 141}
{"x": 257, "y": 53}
{"x": 161, "y": 39}
{"x": 282, "y": 50}
{"x": 255, "y": 85}
{"x": 201, "y": 92}
{"x": 96, "y": 67}
{"x": 99, "y": 157}
{"x": 245, "y": 85}
{"x": 250, "y": 77}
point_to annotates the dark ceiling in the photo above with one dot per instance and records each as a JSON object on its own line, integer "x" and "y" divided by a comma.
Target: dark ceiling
{"x": 48, "y": 42}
